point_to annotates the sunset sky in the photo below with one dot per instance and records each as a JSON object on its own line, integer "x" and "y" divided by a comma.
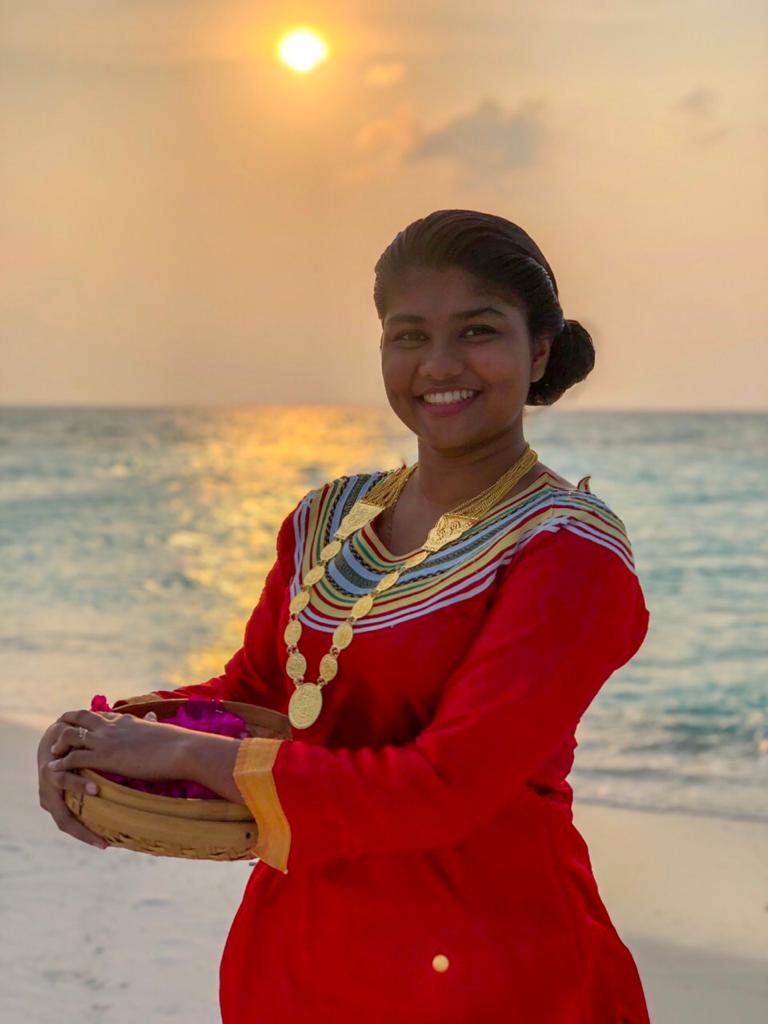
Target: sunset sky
{"x": 185, "y": 219}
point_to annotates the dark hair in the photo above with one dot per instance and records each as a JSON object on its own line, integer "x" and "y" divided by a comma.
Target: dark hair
{"x": 502, "y": 255}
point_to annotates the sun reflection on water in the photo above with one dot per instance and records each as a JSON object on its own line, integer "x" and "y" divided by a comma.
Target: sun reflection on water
{"x": 246, "y": 474}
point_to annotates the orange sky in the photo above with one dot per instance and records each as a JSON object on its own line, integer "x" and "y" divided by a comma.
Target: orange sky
{"x": 186, "y": 220}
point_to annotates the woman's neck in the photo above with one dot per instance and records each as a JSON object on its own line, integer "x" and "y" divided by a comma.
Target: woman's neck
{"x": 443, "y": 480}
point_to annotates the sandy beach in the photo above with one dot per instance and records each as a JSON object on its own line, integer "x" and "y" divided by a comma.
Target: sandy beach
{"x": 115, "y": 937}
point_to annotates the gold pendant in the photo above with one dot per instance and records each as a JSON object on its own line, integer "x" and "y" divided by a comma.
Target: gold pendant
{"x": 342, "y": 635}
{"x": 361, "y": 606}
{"x": 314, "y": 575}
{"x": 329, "y": 666}
{"x": 299, "y": 602}
{"x": 417, "y": 559}
{"x": 305, "y": 705}
{"x": 446, "y": 529}
{"x": 358, "y": 516}
{"x": 292, "y": 632}
{"x": 386, "y": 582}
{"x": 296, "y": 665}
{"x": 330, "y": 550}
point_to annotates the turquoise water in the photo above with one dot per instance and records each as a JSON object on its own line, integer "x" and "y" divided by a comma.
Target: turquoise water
{"x": 133, "y": 545}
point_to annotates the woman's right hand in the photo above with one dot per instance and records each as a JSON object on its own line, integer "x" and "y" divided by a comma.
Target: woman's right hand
{"x": 51, "y": 789}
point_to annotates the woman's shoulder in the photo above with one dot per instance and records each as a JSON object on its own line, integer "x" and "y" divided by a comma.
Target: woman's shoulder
{"x": 560, "y": 481}
{"x": 561, "y": 493}
{"x": 576, "y": 511}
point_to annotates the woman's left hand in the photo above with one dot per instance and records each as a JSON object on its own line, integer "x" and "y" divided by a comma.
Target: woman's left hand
{"x": 120, "y": 743}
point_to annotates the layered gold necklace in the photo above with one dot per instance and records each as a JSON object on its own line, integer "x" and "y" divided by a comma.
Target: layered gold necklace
{"x": 307, "y": 699}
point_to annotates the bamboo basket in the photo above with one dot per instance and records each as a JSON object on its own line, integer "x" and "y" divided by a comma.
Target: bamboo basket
{"x": 168, "y": 826}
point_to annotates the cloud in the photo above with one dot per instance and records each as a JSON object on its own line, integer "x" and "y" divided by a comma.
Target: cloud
{"x": 703, "y": 125}
{"x": 482, "y": 146}
{"x": 485, "y": 143}
{"x": 383, "y": 75}
{"x": 381, "y": 145}
{"x": 699, "y": 103}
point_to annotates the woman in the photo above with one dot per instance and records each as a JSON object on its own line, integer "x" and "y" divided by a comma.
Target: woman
{"x": 435, "y": 633}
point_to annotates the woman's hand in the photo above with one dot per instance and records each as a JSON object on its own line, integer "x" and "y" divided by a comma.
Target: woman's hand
{"x": 51, "y": 786}
{"x": 140, "y": 749}
{"x": 120, "y": 743}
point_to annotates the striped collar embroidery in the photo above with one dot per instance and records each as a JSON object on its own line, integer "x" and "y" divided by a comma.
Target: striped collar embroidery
{"x": 457, "y": 572}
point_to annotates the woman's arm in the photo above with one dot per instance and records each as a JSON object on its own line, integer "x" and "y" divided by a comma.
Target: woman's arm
{"x": 569, "y": 612}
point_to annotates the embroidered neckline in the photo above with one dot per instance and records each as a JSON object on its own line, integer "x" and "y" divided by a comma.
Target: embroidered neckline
{"x": 373, "y": 538}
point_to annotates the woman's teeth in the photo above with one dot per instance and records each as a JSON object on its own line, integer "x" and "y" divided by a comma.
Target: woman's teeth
{"x": 447, "y": 397}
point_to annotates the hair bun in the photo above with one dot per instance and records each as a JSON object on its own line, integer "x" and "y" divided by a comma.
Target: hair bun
{"x": 571, "y": 359}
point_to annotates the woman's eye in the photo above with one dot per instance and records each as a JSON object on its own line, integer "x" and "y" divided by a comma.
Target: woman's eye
{"x": 413, "y": 337}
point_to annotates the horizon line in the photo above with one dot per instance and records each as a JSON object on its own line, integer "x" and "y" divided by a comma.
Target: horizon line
{"x": 214, "y": 406}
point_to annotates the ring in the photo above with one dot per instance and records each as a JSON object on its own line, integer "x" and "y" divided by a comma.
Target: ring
{"x": 82, "y": 732}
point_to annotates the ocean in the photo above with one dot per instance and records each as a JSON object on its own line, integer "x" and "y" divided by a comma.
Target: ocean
{"x": 134, "y": 543}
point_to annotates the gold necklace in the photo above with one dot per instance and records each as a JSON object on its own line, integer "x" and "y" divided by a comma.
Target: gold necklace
{"x": 306, "y": 701}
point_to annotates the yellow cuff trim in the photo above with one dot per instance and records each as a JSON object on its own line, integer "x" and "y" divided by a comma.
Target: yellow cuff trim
{"x": 253, "y": 777}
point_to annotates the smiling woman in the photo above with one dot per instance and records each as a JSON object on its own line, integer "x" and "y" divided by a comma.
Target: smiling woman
{"x": 434, "y": 634}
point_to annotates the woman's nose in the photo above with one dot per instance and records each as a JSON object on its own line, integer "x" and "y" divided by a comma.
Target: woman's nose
{"x": 441, "y": 361}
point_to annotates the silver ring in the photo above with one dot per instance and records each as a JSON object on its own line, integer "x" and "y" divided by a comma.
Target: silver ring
{"x": 82, "y": 732}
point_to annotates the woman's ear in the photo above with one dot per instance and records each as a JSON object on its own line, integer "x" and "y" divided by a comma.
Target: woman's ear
{"x": 540, "y": 356}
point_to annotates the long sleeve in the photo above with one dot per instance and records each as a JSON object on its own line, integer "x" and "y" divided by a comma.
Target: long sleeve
{"x": 568, "y": 612}
{"x": 253, "y": 674}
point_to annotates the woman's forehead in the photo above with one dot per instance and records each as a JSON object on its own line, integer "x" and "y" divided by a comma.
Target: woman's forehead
{"x": 424, "y": 291}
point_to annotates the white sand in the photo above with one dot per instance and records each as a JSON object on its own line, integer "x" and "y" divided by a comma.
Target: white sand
{"x": 689, "y": 896}
{"x": 115, "y": 937}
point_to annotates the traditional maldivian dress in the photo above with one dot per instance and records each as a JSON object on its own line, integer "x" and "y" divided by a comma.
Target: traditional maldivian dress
{"x": 418, "y": 857}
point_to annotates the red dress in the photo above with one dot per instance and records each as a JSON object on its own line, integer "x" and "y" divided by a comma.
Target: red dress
{"x": 418, "y": 858}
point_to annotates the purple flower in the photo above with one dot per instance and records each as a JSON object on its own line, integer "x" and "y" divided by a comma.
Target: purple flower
{"x": 208, "y": 716}
{"x": 199, "y": 715}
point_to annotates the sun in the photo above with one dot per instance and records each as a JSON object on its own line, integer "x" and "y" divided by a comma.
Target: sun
{"x": 302, "y": 49}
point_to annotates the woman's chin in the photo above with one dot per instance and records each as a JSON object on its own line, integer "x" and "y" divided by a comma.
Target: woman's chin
{"x": 452, "y": 442}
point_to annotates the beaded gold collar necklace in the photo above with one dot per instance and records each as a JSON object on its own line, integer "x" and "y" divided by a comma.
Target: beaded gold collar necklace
{"x": 306, "y": 701}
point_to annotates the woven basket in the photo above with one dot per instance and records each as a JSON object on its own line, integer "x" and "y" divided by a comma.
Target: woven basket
{"x": 168, "y": 826}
